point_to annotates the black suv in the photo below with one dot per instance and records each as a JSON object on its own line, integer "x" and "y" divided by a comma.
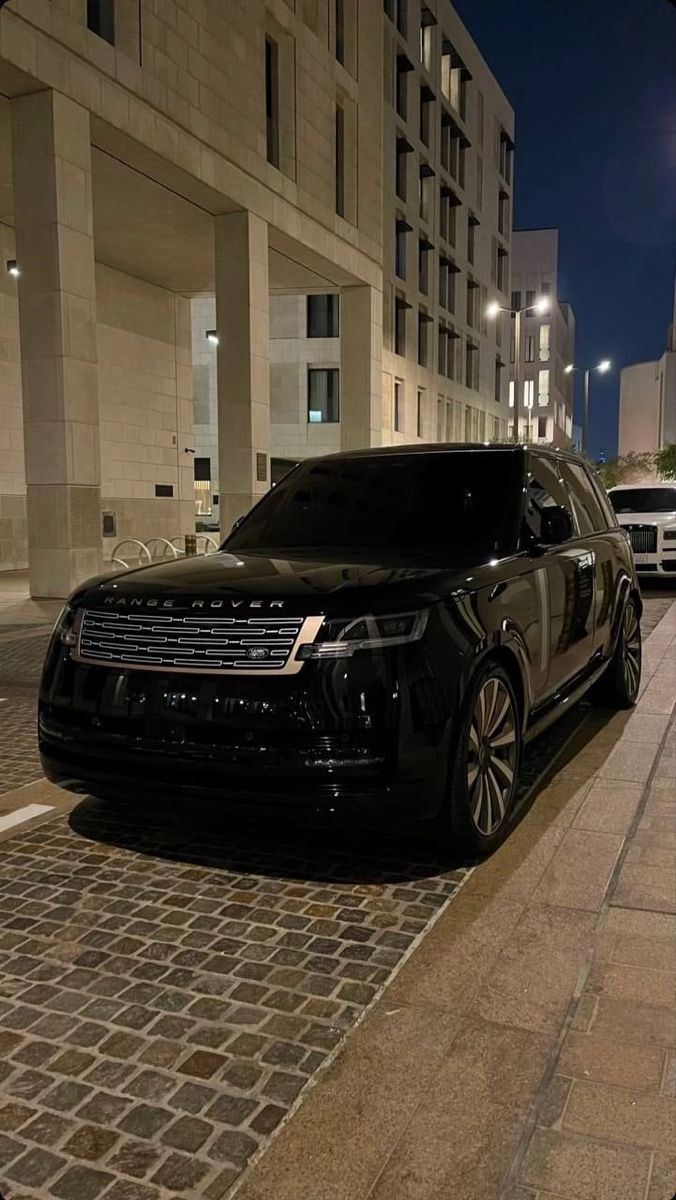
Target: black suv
{"x": 383, "y": 630}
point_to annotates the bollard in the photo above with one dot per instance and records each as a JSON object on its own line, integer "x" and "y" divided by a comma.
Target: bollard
{"x": 190, "y": 543}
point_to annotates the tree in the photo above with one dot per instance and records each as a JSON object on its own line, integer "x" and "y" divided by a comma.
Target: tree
{"x": 665, "y": 461}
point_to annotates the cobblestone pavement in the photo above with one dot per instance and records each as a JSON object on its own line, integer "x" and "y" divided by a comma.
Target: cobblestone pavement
{"x": 167, "y": 990}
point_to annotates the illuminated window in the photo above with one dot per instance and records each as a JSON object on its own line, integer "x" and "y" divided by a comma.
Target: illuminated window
{"x": 528, "y": 393}
{"x": 543, "y": 388}
{"x": 511, "y": 393}
{"x": 544, "y": 343}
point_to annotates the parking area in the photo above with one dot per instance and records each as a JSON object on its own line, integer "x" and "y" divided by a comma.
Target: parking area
{"x": 171, "y": 987}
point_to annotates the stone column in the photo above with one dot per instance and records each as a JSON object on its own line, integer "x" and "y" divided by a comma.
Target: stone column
{"x": 57, "y": 323}
{"x": 361, "y": 368}
{"x": 243, "y": 363}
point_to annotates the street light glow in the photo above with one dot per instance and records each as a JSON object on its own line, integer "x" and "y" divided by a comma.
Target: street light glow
{"x": 569, "y": 369}
{"x": 212, "y": 336}
{"x": 12, "y": 268}
{"x": 541, "y": 306}
{"x": 604, "y": 366}
{"x": 493, "y": 309}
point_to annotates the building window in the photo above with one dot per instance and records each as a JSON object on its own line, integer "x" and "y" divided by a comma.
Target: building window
{"x": 516, "y": 301}
{"x": 479, "y": 183}
{"x": 402, "y": 227}
{"x": 499, "y": 369}
{"x": 453, "y": 81}
{"x": 398, "y": 413}
{"x": 340, "y": 161}
{"x": 323, "y": 316}
{"x": 272, "y": 100}
{"x": 544, "y": 343}
{"x": 423, "y": 339}
{"x": 425, "y": 178}
{"x": 472, "y": 302}
{"x": 542, "y": 427}
{"x": 505, "y": 156}
{"x": 529, "y": 348}
{"x": 420, "y": 405}
{"x": 339, "y": 17}
{"x": 472, "y": 223}
{"x": 402, "y": 17}
{"x": 468, "y": 423}
{"x": 503, "y": 212}
{"x": 528, "y": 393}
{"x": 203, "y": 494}
{"x": 471, "y": 365}
{"x": 101, "y": 19}
{"x": 530, "y": 298}
{"x": 322, "y": 395}
{"x": 424, "y": 248}
{"x": 442, "y": 361}
{"x": 427, "y": 23}
{"x": 403, "y": 151}
{"x": 388, "y": 9}
{"x": 511, "y": 393}
{"x": 426, "y": 103}
{"x": 543, "y": 388}
{"x": 403, "y": 68}
{"x": 502, "y": 269}
{"x": 400, "y": 307}
{"x": 448, "y": 215}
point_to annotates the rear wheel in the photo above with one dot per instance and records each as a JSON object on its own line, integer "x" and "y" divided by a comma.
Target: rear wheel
{"x": 618, "y": 686}
{"x": 485, "y": 763}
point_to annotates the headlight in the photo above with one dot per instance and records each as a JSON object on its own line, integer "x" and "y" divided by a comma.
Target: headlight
{"x": 342, "y": 638}
{"x": 669, "y": 535}
{"x": 63, "y": 630}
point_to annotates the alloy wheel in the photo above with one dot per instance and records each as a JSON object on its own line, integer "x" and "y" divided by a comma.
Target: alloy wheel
{"x": 631, "y": 658}
{"x": 491, "y": 758}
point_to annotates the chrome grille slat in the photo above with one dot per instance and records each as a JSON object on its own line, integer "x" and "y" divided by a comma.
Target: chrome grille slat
{"x": 643, "y": 538}
{"x": 196, "y": 642}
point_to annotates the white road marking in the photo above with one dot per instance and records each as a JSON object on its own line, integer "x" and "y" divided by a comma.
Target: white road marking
{"x": 24, "y": 814}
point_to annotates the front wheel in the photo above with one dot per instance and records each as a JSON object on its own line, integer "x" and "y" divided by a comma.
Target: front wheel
{"x": 485, "y": 763}
{"x": 619, "y": 685}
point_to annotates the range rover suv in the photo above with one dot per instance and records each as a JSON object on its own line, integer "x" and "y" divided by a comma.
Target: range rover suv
{"x": 381, "y": 632}
{"x": 648, "y": 512}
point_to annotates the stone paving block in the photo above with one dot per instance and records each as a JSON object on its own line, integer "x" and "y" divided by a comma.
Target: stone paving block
{"x": 624, "y": 982}
{"x": 579, "y": 1167}
{"x": 621, "y": 1115}
{"x": 623, "y": 1064}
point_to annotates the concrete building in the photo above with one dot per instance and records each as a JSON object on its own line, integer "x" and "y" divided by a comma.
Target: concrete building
{"x": 648, "y": 400}
{"x": 547, "y": 340}
{"x": 447, "y": 165}
{"x": 155, "y": 153}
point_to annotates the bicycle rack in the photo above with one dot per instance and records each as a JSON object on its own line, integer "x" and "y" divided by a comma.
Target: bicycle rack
{"x": 130, "y": 542}
{"x": 160, "y": 541}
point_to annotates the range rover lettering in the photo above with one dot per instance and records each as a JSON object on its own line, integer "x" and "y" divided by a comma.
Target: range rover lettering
{"x": 381, "y": 633}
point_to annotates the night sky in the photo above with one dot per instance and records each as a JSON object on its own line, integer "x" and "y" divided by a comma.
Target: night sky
{"x": 593, "y": 86}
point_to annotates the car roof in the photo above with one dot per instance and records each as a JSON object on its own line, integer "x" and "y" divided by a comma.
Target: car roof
{"x": 640, "y": 487}
{"x": 453, "y": 448}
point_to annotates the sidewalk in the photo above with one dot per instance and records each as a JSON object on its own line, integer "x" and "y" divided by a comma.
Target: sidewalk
{"x": 526, "y": 1049}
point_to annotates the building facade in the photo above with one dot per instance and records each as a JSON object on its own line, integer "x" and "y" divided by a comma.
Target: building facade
{"x": 547, "y": 341}
{"x": 166, "y": 164}
{"x": 648, "y": 400}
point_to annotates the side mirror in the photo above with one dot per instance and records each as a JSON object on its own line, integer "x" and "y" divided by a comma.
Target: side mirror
{"x": 556, "y": 526}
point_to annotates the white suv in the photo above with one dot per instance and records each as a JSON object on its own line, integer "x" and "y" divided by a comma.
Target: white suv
{"x": 648, "y": 512}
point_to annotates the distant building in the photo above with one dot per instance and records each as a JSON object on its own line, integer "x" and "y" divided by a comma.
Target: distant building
{"x": 547, "y": 340}
{"x": 648, "y": 400}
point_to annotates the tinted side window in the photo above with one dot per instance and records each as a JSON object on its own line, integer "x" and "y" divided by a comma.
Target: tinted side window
{"x": 586, "y": 508}
{"x": 544, "y": 489}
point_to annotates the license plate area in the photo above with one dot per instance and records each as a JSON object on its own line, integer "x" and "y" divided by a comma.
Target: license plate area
{"x": 642, "y": 558}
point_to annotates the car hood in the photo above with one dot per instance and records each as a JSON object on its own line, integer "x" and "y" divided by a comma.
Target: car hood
{"x": 648, "y": 518}
{"x": 239, "y": 581}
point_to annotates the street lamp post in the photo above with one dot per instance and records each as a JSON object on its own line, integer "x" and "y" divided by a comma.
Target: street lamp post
{"x": 601, "y": 367}
{"x": 540, "y": 306}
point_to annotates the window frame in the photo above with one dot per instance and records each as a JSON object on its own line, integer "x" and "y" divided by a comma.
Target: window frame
{"x": 332, "y": 401}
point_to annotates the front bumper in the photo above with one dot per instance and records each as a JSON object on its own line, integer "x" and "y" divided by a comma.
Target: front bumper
{"x": 339, "y": 738}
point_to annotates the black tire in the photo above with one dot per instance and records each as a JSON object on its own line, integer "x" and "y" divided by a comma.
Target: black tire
{"x": 619, "y": 685}
{"x": 485, "y": 761}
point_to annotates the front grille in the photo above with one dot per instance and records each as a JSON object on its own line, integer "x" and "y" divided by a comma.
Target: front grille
{"x": 643, "y": 538}
{"x": 254, "y": 645}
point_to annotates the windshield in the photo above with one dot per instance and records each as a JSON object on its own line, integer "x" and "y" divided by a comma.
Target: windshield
{"x": 643, "y": 500}
{"x": 405, "y": 506}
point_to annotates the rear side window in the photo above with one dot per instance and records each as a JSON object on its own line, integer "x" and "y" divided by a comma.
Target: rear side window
{"x": 603, "y": 499}
{"x": 544, "y": 490}
{"x": 586, "y": 508}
